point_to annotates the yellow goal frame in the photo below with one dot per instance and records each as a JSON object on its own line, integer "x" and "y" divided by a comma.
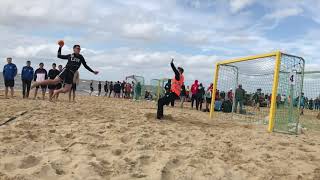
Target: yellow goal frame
{"x": 277, "y": 55}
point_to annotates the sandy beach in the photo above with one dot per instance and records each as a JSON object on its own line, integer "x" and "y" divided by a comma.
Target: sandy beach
{"x": 105, "y": 138}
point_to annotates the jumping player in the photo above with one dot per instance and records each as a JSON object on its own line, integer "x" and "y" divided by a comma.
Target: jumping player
{"x": 177, "y": 82}
{"x": 74, "y": 62}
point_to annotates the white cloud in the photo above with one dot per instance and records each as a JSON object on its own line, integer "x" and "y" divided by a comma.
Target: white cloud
{"x": 145, "y": 31}
{"x": 237, "y": 5}
{"x": 284, "y": 13}
{"x": 140, "y": 37}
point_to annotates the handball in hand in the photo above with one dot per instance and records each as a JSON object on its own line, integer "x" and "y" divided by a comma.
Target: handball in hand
{"x": 61, "y": 43}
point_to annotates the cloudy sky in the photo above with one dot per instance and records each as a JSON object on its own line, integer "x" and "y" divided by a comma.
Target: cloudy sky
{"x": 140, "y": 37}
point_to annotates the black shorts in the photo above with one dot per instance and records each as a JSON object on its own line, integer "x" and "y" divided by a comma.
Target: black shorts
{"x": 74, "y": 87}
{"x": 52, "y": 87}
{"x": 43, "y": 87}
{"x": 59, "y": 86}
{"x": 208, "y": 100}
{"x": 66, "y": 76}
{"x": 9, "y": 83}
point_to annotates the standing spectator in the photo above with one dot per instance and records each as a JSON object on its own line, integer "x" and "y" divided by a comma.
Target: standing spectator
{"x": 9, "y": 73}
{"x": 278, "y": 100}
{"x": 256, "y": 99}
{"x": 59, "y": 85}
{"x": 117, "y": 89}
{"x": 110, "y": 88}
{"x": 40, "y": 75}
{"x": 317, "y": 103}
{"x": 230, "y": 95}
{"x": 51, "y": 75}
{"x": 183, "y": 95}
{"x": 91, "y": 87}
{"x": 208, "y": 97}
{"x": 239, "y": 97}
{"x": 311, "y": 104}
{"x": 302, "y": 103}
{"x": 187, "y": 92}
{"x": 199, "y": 97}
{"x": 123, "y": 84}
{"x": 194, "y": 91}
{"x": 133, "y": 87}
{"x": 128, "y": 90}
{"x": 138, "y": 91}
{"x": 26, "y": 77}
{"x": 217, "y": 95}
{"x": 99, "y": 88}
{"x": 105, "y": 87}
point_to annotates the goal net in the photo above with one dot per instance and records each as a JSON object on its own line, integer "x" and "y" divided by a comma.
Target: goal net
{"x": 311, "y": 102}
{"x": 158, "y": 87}
{"x": 138, "y": 86}
{"x": 259, "y": 89}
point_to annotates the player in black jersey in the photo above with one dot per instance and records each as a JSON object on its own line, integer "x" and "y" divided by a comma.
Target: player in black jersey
{"x": 66, "y": 76}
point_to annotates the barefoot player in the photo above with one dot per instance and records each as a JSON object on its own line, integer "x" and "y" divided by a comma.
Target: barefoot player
{"x": 74, "y": 62}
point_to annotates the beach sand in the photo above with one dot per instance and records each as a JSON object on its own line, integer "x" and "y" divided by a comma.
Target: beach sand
{"x": 102, "y": 138}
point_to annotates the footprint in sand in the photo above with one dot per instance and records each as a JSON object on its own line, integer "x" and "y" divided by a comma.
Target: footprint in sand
{"x": 117, "y": 152}
{"x": 58, "y": 168}
{"x": 170, "y": 166}
{"x": 29, "y": 161}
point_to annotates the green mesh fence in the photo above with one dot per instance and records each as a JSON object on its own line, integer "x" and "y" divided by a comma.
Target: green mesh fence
{"x": 138, "y": 86}
{"x": 155, "y": 88}
{"x": 249, "y": 104}
{"x": 289, "y": 91}
{"x": 252, "y": 102}
{"x": 310, "y": 118}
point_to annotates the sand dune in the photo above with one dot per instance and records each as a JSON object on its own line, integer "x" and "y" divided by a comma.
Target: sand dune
{"x": 99, "y": 138}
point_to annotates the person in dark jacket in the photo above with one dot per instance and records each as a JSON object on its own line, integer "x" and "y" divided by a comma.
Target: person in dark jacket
{"x": 199, "y": 97}
{"x": 26, "y": 77}
{"x": 117, "y": 89}
{"x": 123, "y": 84}
{"x": 177, "y": 82}
{"x": 99, "y": 88}
{"x": 9, "y": 73}
{"x": 105, "y": 87}
{"x": 91, "y": 88}
{"x": 53, "y": 73}
{"x": 110, "y": 88}
{"x": 40, "y": 75}
{"x": 239, "y": 97}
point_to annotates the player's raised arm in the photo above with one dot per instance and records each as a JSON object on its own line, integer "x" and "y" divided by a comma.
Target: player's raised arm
{"x": 61, "y": 44}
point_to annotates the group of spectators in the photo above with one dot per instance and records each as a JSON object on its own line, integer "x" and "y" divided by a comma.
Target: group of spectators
{"x": 28, "y": 74}
{"x": 224, "y": 101}
{"x": 197, "y": 94}
{"x": 118, "y": 89}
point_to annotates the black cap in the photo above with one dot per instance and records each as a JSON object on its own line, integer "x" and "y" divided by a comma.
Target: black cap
{"x": 76, "y": 46}
{"x": 54, "y": 64}
{"x": 41, "y": 63}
